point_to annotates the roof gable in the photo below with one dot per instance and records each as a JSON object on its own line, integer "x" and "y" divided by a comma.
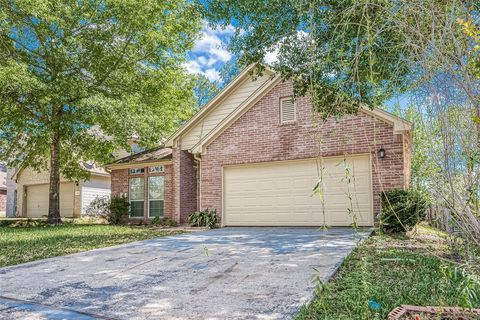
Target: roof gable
{"x": 220, "y": 107}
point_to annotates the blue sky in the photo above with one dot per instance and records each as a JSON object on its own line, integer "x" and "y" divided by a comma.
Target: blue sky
{"x": 210, "y": 54}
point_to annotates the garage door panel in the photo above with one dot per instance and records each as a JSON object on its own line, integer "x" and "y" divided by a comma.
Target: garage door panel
{"x": 37, "y": 200}
{"x": 281, "y": 193}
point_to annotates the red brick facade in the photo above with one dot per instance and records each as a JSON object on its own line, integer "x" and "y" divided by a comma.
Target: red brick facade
{"x": 185, "y": 184}
{"x": 3, "y": 200}
{"x": 120, "y": 180}
{"x": 258, "y": 136}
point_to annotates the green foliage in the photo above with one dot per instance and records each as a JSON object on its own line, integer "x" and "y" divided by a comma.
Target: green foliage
{"x": 206, "y": 89}
{"x": 402, "y": 209}
{"x": 118, "y": 210}
{"x": 345, "y": 53}
{"x": 165, "y": 222}
{"x": 206, "y": 218}
{"x": 330, "y": 50}
{"x": 22, "y": 223}
{"x": 426, "y": 148}
{"x": 156, "y": 221}
{"x": 20, "y": 245}
{"x": 392, "y": 270}
{"x": 169, "y": 222}
{"x": 85, "y": 76}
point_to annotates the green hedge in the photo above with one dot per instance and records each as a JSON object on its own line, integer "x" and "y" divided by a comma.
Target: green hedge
{"x": 402, "y": 209}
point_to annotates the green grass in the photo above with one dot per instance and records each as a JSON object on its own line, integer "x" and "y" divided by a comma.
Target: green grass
{"x": 19, "y": 245}
{"x": 392, "y": 270}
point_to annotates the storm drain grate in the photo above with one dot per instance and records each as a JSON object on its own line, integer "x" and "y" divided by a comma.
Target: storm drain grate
{"x": 461, "y": 313}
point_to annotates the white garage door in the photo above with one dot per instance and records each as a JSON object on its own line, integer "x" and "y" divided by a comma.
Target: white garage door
{"x": 281, "y": 193}
{"x": 37, "y": 200}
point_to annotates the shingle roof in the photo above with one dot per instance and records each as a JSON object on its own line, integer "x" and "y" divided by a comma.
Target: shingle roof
{"x": 155, "y": 154}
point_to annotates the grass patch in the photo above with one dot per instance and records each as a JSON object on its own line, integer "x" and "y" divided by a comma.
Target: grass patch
{"x": 19, "y": 245}
{"x": 387, "y": 271}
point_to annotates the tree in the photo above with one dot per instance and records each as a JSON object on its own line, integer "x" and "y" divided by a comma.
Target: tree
{"x": 78, "y": 78}
{"x": 206, "y": 89}
{"x": 349, "y": 53}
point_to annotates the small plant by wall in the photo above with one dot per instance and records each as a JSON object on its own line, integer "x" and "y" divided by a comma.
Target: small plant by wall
{"x": 205, "y": 218}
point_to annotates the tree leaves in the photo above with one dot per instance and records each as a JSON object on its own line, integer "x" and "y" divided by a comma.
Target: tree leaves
{"x": 98, "y": 71}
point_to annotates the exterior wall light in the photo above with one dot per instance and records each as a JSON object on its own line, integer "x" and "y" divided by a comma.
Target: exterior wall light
{"x": 381, "y": 153}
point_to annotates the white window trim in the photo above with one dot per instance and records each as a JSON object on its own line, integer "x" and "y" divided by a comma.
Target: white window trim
{"x": 130, "y": 200}
{"x": 148, "y": 196}
{"x": 294, "y": 110}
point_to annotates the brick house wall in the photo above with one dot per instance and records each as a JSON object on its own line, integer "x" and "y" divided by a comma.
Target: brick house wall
{"x": 184, "y": 184}
{"x": 120, "y": 180}
{"x": 258, "y": 136}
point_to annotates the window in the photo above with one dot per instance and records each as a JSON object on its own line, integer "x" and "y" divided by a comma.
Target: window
{"x": 155, "y": 196}
{"x": 137, "y": 197}
{"x": 137, "y": 170}
{"x": 287, "y": 110}
{"x": 156, "y": 169}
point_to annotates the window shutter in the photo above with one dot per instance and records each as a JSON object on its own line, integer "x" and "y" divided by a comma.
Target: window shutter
{"x": 287, "y": 110}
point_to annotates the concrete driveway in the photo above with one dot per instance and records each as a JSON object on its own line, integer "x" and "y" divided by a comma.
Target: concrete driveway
{"x": 228, "y": 273}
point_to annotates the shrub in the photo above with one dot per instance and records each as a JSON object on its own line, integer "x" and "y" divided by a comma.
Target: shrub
{"x": 169, "y": 222}
{"x": 99, "y": 207}
{"x": 156, "y": 220}
{"x": 402, "y": 209}
{"x": 206, "y": 218}
{"x": 118, "y": 209}
{"x": 164, "y": 222}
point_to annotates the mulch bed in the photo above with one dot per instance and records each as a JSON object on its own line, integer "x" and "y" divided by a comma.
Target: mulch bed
{"x": 406, "y": 312}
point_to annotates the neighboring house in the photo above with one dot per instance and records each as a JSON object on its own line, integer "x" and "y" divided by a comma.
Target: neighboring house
{"x": 253, "y": 155}
{"x": 33, "y": 192}
{"x": 3, "y": 190}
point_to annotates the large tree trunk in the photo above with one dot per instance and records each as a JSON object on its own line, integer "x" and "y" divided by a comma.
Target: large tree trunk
{"x": 54, "y": 195}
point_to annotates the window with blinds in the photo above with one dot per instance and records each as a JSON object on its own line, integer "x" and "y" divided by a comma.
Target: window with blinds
{"x": 287, "y": 110}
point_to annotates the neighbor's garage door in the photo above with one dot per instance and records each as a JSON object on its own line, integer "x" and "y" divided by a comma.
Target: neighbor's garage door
{"x": 281, "y": 193}
{"x": 37, "y": 200}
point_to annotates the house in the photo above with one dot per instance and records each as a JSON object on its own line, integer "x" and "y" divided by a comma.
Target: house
{"x": 33, "y": 189}
{"x": 261, "y": 158}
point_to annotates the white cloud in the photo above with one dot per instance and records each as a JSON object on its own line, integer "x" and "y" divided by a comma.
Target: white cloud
{"x": 212, "y": 74}
{"x": 271, "y": 57}
{"x": 193, "y": 67}
{"x": 209, "y": 52}
{"x": 221, "y": 54}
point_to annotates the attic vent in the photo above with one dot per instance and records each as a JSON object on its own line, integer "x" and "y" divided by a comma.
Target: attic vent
{"x": 287, "y": 110}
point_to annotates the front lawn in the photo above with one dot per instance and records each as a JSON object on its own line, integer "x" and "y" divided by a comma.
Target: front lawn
{"x": 19, "y": 245}
{"x": 387, "y": 271}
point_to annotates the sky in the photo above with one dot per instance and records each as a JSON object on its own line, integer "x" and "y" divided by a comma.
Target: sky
{"x": 210, "y": 54}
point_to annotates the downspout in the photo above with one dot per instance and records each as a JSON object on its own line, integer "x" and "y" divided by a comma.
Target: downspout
{"x": 198, "y": 158}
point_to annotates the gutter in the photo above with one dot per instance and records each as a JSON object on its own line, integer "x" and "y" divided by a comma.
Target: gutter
{"x": 198, "y": 158}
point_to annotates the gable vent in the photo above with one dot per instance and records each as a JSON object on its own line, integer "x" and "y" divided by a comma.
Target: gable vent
{"x": 287, "y": 110}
